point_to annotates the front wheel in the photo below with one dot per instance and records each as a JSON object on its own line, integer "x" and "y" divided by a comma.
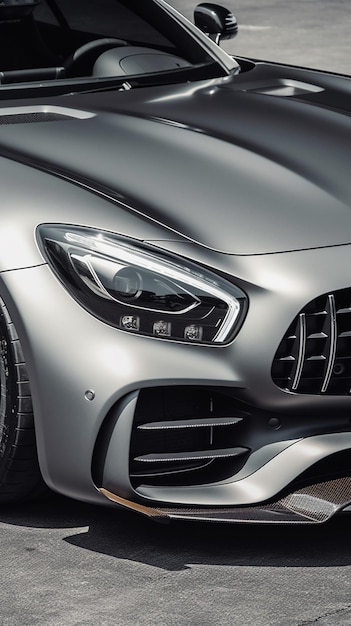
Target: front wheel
{"x": 20, "y": 476}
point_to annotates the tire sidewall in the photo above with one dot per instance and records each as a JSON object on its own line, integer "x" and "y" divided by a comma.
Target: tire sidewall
{"x": 8, "y": 394}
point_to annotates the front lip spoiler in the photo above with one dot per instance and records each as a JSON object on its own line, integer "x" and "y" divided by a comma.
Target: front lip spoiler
{"x": 158, "y": 515}
{"x": 314, "y": 504}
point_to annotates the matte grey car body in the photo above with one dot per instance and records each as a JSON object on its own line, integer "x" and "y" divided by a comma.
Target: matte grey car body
{"x": 175, "y": 242}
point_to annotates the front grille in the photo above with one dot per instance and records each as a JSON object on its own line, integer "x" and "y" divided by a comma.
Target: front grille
{"x": 185, "y": 436}
{"x": 314, "y": 356}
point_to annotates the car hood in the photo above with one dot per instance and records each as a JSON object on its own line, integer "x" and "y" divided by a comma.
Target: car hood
{"x": 239, "y": 165}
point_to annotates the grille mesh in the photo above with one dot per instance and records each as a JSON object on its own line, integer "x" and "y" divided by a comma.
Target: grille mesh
{"x": 314, "y": 356}
{"x": 32, "y": 118}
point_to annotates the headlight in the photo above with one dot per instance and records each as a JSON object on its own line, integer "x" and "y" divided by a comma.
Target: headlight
{"x": 142, "y": 290}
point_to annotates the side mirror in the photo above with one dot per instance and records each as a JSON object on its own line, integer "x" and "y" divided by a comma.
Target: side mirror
{"x": 216, "y": 21}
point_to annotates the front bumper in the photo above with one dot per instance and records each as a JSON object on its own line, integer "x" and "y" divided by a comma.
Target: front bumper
{"x": 88, "y": 381}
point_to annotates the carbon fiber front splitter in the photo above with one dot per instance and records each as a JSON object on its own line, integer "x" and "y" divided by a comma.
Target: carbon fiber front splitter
{"x": 313, "y": 504}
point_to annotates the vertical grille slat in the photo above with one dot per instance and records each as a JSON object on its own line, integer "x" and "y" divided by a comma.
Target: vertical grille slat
{"x": 314, "y": 356}
{"x": 301, "y": 351}
{"x": 332, "y": 342}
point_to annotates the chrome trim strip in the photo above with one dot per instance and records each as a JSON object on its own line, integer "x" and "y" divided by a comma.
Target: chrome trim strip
{"x": 333, "y": 339}
{"x": 198, "y": 455}
{"x": 301, "y": 352}
{"x": 191, "y": 423}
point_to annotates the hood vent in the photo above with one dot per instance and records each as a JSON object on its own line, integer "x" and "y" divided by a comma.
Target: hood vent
{"x": 40, "y": 114}
{"x": 286, "y": 88}
{"x": 32, "y": 118}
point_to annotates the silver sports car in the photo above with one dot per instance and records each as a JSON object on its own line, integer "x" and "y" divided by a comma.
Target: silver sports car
{"x": 175, "y": 252}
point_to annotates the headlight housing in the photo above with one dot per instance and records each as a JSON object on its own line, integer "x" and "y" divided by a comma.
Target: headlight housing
{"x": 141, "y": 290}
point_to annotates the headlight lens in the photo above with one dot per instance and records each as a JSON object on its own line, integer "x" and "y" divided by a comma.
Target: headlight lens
{"x": 141, "y": 290}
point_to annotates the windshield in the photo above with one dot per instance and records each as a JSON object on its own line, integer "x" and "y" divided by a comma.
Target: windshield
{"x": 97, "y": 41}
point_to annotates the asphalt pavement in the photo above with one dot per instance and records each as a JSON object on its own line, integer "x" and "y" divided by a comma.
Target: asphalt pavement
{"x": 64, "y": 563}
{"x": 313, "y": 33}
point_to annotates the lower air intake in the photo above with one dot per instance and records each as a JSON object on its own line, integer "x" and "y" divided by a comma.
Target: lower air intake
{"x": 185, "y": 436}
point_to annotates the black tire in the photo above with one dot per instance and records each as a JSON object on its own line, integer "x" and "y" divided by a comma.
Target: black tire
{"x": 20, "y": 477}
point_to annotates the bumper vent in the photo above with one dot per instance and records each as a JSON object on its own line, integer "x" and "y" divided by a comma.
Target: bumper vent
{"x": 189, "y": 439}
{"x": 314, "y": 356}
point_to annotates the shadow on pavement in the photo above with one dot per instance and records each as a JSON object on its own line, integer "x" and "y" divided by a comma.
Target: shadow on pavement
{"x": 174, "y": 546}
